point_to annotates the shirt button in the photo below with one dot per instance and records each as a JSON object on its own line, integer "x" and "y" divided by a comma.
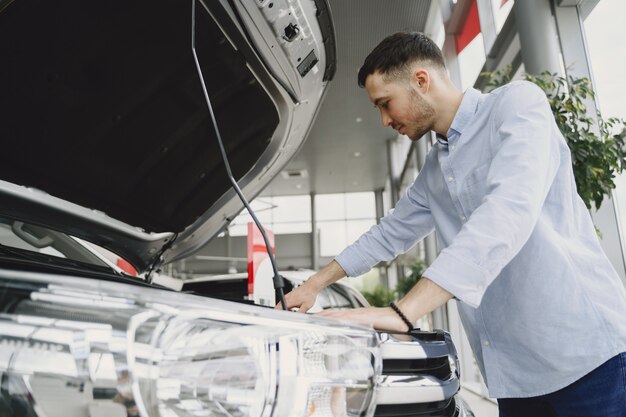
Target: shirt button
{"x": 463, "y": 218}
{"x": 486, "y": 343}
{"x": 450, "y": 178}
{"x": 452, "y": 147}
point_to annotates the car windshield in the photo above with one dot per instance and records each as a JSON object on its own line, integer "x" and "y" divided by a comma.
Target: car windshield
{"x": 19, "y": 240}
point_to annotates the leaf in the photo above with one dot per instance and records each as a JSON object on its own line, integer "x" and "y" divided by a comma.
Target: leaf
{"x": 597, "y": 146}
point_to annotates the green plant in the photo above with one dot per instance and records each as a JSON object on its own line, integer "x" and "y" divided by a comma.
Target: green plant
{"x": 406, "y": 283}
{"x": 380, "y": 296}
{"x": 597, "y": 146}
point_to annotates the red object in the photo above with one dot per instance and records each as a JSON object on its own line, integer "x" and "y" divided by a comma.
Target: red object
{"x": 469, "y": 30}
{"x": 125, "y": 266}
{"x": 257, "y": 252}
{"x": 503, "y": 2}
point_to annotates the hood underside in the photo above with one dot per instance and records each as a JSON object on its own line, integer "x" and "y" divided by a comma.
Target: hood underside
{"x": 106, "y": 132}
{"x": 103, "y": 106}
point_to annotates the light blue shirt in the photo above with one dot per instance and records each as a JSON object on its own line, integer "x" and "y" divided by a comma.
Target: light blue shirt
{"x": 540, "y": 302}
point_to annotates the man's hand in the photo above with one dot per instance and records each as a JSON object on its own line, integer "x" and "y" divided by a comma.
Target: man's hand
{"x": 380, "y": 318}
{"x": 423, "y": 298}
{"x": 303, "y": 297}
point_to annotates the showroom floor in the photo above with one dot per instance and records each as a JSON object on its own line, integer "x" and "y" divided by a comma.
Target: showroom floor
{"x": 479, "y": 405}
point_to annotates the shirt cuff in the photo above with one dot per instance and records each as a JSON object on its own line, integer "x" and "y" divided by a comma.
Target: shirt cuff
{"x": 352, "y": 262}
{"x": 464, "y": 280}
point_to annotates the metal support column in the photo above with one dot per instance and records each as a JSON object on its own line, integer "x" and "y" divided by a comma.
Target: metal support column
{"x": 430, "y": 242}
{"x": 232, "y": 265}
{"x": 380, "y": 207}
{"x": 440, "y": 315}
{"x": 393, "y": 181}
{"x": 315, "y": 243}
{"x": 380, "y": 213}
{"x": 538, "y": 36}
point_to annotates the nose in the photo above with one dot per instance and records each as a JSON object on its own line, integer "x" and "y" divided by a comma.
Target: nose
{"x": 386, "y": 120}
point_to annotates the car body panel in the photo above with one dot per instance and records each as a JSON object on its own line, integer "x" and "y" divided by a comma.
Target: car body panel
{"x": 124, "y": 150}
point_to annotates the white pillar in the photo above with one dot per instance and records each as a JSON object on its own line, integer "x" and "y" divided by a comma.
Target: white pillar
{"x": 577, "y": 64}
{"x": 315, "y": 243}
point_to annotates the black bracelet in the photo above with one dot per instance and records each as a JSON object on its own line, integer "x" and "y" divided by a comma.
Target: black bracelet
{"x": 402, "y": 316}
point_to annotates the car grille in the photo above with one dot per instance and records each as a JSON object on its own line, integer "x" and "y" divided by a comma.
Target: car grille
{"x": 432, "y": 409}
{"x": 420, "y": 375}
{"x": 439, "y": 367}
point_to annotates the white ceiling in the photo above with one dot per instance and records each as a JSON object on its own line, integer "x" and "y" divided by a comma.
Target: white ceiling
{"x": 328, "y": 155}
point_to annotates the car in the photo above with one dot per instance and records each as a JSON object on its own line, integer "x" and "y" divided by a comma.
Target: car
{"x": 421, "y": 371}
{"x": 339, "y": 295}
{"x": 114, "y": 119}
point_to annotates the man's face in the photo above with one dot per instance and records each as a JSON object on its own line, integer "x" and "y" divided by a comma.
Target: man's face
{"x": 401, "y": 106}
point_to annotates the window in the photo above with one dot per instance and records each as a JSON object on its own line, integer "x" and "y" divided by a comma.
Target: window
{"x": 342, "y": 218}
{"x": 281, "y": 215}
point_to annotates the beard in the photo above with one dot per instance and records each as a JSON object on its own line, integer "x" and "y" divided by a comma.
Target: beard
{"x": 423, "y": 117}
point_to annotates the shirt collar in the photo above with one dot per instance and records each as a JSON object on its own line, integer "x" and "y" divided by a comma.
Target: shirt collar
{"x": 441, "y": 140}
{"x": 465, "y": 112}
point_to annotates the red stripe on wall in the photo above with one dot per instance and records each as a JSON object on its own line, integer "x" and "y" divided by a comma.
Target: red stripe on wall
{"x": 470, "y": 29}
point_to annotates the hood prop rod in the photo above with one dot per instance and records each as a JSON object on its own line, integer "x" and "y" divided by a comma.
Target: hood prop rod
{"x": 278, "y": 281}
{"x": 158, "y": 259}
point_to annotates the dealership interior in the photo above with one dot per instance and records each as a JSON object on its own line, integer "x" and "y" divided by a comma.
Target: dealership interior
{"x": 351, "y": 169}
{"x": 135, "y": 276}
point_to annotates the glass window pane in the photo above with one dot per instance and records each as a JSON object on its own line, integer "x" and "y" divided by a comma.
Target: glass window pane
{"x": 292, "y": 209}
{"x": 238, "y": 229}
{"x": 330, "y": 207}
{"x": 290, "y": 228}
{"x": 332, "y": 237}
{"x": 262, "y": 209}
{"x": 360, "y": 206}
{"x": 355, "y": 228}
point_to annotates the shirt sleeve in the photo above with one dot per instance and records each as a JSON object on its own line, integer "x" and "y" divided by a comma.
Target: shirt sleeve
{"x": 398, "y": 231}
{"x": 524, "y": 165}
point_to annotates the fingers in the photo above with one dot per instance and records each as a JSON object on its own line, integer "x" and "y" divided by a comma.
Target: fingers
{"x": 279, "y": 305}
{"x": 304, "y": 307}
{"x": 293, "y": 302}
{"x": 300, "y": 298}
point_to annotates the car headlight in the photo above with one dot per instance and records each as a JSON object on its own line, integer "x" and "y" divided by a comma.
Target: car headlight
{"x": 123, "y": 351}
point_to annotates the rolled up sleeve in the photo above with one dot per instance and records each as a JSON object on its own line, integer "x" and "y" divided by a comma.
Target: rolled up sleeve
{"x": 409, "y": 222}
{"x": 522, "y": 170}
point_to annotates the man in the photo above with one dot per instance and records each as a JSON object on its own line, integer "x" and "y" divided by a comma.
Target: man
{"x": 543, "y": 308}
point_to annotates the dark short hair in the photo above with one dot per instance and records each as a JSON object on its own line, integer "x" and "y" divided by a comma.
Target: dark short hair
{"x": 393, "y": 55}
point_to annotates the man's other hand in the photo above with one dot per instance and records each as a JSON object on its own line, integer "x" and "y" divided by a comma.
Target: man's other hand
{"x": 380, "y": 318}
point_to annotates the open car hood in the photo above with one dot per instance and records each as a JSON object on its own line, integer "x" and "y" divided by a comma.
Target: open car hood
{"x": 106, "y": 134}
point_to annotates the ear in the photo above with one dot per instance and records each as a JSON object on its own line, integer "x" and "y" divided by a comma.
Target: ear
{"x": 420, "y": 79}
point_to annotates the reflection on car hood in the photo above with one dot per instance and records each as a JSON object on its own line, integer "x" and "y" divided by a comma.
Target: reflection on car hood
{"x": 106, "y": 133}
